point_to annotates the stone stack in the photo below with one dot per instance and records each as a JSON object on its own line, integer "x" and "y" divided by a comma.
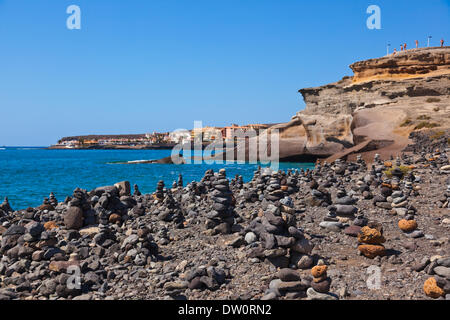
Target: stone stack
{"x": 282, "y": 244}
{"x": 331, "y": 221}
{"x": 261, "y": 180}
{"x": 207, "y": 179}
{"x": 52, "y": 199}
{"x": 46, "y": 205}
{"x": 139, "y": 248}
{"x": 273, "y": 191}
{"x": 136, "y": 192}
{"x": 359, "y": 222}
{"x": 370, "y": 240}
{"x": 207, "y": 277}
{"x": 321, "y": 282}
{"x": 5, "y": 206}
{"x": 319, "y": 195}
{"x": 438, "y": 285}
{"x": 221, "y": 218}
{"x": 362, "y": 164}
{"x": 292, "y": 182}
{"x": 288, "y": 284}
{"x": 239, "y": 182}
{"x": 159, "y": 193}
{"x": 79, "y": 211}
{"x": 377, "y": 159}
{"x": 408, "y": 224}
{"x": 180, "y": 181}
{"x": 170, "y": 211}
{"x": 320, "y": 285}
{"x": 385, "y": 192}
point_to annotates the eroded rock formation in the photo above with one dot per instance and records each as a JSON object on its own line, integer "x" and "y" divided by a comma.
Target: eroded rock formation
{"x": 374, "y": 111}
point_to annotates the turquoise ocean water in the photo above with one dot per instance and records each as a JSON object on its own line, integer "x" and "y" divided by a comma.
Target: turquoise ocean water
{"x": 28, "y": 175}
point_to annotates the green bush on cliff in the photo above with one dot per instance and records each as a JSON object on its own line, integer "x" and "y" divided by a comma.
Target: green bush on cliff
{"x": 403, "y": 169}
{"x": 425, "y": 124}
{"x": 406, "y": 123}
{"x": 437, "y": 135}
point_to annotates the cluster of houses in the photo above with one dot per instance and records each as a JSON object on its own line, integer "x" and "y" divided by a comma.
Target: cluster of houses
{"x": 206, "y": 134}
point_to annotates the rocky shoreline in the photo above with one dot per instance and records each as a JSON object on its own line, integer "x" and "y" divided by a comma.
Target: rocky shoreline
{"x": 313, "y": 235}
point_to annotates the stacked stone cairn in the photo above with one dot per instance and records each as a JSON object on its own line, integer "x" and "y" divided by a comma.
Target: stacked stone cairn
{"x": 288, "y": 284}
{"x": 46, "y": 205}
{"x": 136, "y": 192}
{"x": 320, "y": 286}
{"x": 371, "y": 240}
{"x": 319, "y": 195}
{"x": 52, "y": 199}
{"x": 79, "y": 212}
{"x": 280, "y": 243}
{"x": 437, "y": 286}
{"x": 139, "y": 248}
{"x": 180, "y": 181}
{"x": 221, "y": 218}
{"x": 5, "y": 206}
{"x": 159, "y": 193}
{"x": 207, "y": 179}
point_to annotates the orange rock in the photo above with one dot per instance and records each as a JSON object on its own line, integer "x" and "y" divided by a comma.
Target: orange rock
{"x": 115, "y": 218}
{"x": 432, "y": 289}
{"x": 321, "y": 278}
{"x": 370, "y": 236}
{"x": 372, "y": 250}
{"x": 388, "y": 164}
{"x": 50, "y": 225}
{"x": 407, "y": 225}
{"x": 387, "y": 185}
{"x": 284, "y": 188}
{"x": 412, "y": 167}
{"x": 319, "y": 271}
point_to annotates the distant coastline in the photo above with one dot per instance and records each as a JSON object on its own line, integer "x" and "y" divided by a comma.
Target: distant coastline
{"x": 115, "y": 147}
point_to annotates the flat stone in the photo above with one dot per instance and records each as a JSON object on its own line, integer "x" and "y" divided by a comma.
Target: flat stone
{"x": 314, "y": 295}
{"x": 291, "y": 286}
{"x": 352, "y": 230}
{"x": 443, "y": 272}
{"x": 287, "y": 274}
{"x": 334, "y": 226}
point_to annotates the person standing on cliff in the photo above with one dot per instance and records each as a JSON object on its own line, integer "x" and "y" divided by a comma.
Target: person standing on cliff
{"x": 395, "y": 50}
{"x": 442, "y": 43}
{"x": 417, "y": 44}
{"x": 404, "y": 47}
{"x": 401, "y": 47}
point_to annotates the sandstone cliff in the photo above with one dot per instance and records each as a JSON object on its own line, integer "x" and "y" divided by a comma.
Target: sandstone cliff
{"x": 374, "y": 111}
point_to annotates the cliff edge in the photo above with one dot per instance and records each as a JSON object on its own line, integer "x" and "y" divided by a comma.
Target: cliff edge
{"x": 374, "y": 111}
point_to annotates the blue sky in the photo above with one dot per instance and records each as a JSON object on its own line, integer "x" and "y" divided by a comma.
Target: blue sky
{"x": 142, "y": 65}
